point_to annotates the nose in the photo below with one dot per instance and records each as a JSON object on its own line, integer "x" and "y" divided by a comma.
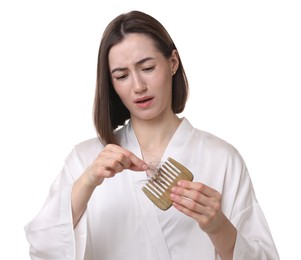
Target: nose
{"x": 138, "y": 84}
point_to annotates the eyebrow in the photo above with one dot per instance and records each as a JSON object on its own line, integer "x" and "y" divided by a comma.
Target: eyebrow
{"x": 137, "y": 63}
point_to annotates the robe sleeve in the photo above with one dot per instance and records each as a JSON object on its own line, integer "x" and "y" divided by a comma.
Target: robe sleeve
{"x": 254, "y": 240}
{"x": 51, "y": 234}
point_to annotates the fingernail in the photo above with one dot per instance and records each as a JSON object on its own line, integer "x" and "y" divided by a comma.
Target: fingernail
{"x": 173, "y": 189}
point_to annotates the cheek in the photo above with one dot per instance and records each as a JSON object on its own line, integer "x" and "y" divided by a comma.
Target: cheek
{"x": 121, "y": 92}
{"x": 164, "y": 83}
{"x": 117, "y": 87}
{"x": 162, "y": 78}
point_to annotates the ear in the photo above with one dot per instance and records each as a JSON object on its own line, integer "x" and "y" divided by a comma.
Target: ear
{"x": 174, "y": 60}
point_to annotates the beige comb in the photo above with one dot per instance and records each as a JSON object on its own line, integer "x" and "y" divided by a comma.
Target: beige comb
{"x": 158, "y": 188}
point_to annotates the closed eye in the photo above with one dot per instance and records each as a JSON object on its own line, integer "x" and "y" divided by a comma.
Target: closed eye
{"x": 149, "y": 69}
{"x": 122, "y": 77}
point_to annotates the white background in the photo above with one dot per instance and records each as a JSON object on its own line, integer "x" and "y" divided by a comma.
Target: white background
{"x": 243, "y": 61}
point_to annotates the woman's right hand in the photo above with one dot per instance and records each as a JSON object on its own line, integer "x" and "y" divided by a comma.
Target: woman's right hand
{"x": 110, "y": 161}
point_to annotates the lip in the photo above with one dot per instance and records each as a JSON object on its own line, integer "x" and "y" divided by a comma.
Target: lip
{"x": 142, "y": 99}
{"x": 144, "y": 102}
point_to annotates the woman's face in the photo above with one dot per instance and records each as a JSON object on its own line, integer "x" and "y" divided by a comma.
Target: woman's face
{"x": 142, "y": 76}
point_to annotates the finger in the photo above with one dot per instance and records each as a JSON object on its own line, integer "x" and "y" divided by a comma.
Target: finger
{"x": 114, "y": 165}
{"x": 105, "y": 166}
{"x": 136, "y": 163}
{"x": 202, "y": 214}
{"x": 192, "y": 195}
{"x": 188, "y": 206}
{"x": 199, "y": 187}
{"x": 113, "y": 155}
{"x": 202, "y": 218}
{"x": 127, "y": 158}
{"x": 196, "y": 195}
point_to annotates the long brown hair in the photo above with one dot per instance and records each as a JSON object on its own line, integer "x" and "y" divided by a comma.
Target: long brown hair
{"x": 109, "y": 112}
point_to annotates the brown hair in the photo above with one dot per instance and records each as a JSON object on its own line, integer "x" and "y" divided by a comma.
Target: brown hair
{"x": 109, "y": 111}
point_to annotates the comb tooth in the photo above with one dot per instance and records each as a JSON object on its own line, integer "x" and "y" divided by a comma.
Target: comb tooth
{"x": 166, "y": 176}
{"x": 156, "y": 184}
{"x": 186, "y": 174}
{"x": 148, "y": 192}
{"x": 160, "y": 184}
{"x": 170, "y": 173}
{"x": 167, "y": 169}
{"x": 162, "y": 181}
{"x": 160, "y": 202}
{"x": 165, "y": 196}
{"x": 153, "y": 189}
{"x": 173, "y": 168}
{"x": 158, "y": 188}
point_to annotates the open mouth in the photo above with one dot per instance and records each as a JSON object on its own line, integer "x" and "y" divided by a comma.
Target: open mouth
{"x": 143, "y": 100}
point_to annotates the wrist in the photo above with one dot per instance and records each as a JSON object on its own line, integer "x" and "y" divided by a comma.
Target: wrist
{"x": 89, "y": 180}
{"x": 223, "y": 237}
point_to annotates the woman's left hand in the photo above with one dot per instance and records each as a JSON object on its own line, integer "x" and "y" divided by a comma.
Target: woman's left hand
{"x": 203, "y": 203}
{"x": 200, "y": 202}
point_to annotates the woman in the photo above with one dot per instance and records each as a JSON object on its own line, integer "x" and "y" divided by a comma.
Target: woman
{"x": 96, "y": 208}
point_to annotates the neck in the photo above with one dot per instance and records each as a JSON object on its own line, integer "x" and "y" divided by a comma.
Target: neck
{"x": 154, "y": 135}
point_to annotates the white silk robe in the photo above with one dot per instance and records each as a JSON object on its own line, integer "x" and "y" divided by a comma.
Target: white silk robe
{"x": 121, "y": 223}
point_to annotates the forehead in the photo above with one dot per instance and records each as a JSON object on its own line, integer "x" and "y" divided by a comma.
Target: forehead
{"x": 132, "y": 48}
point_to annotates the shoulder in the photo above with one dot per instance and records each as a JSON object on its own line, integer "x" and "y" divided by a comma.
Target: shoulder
{"x": 85, "y": 152}
{"x": 214, "y": 150}
{"x": 223, "y": 155}
{"x": 215, "y": 142}
{"x": 89, "y": 145}
{"x": 209, "y": 141}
